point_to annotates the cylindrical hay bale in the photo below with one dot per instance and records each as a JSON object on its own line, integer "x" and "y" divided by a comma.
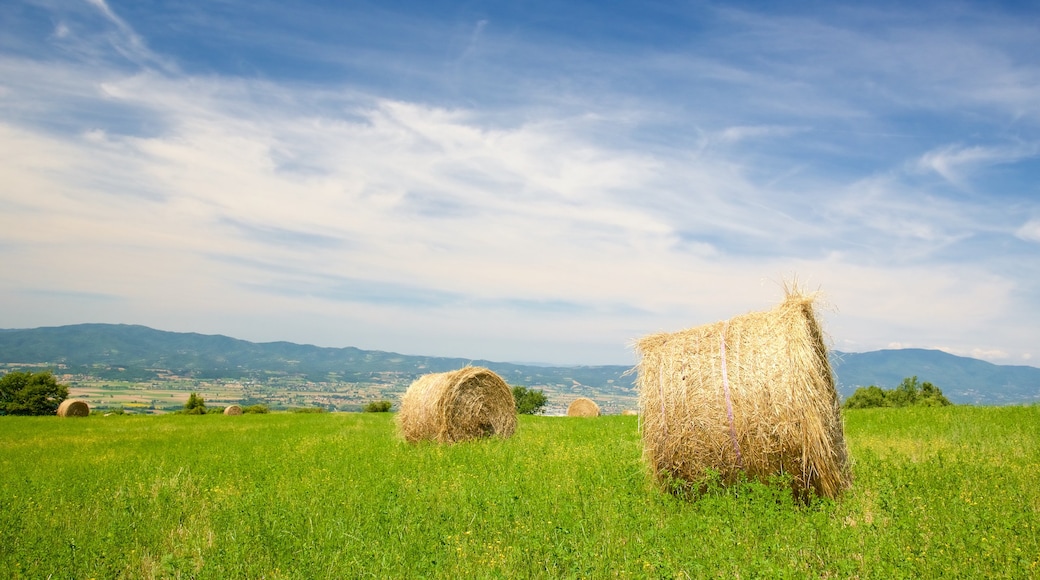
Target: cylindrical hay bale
{"x": 630, "y": 412}
{"x": 73, "y": 408}
{"x": 583, "y": 407}
{"x": 456, "y": 406}
{"x": 233, "y": 410}
{"x": 751, "y": 397}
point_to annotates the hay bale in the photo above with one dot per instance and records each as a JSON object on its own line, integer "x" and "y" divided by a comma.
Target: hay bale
{"x": 233, "y": 410}
{"x": 73, "y": 408}
{"x": 630, "y": 412}
{"x": 751, "y": 397}
{"x": 469, "y": 403}
{"x": 583, "y": 407}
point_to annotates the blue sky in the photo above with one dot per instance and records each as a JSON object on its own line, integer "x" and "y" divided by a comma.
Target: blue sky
{"x": 522, "y": 181}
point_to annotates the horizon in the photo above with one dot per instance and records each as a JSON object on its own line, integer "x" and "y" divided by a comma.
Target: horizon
{"x": 546, "y": 183}
{"x": 471, "y": 359}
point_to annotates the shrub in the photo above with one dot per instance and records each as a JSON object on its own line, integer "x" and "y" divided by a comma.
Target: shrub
{"x": 909, "y": 393}
{"x": 27, "y": 393}
{"x": 196, "y": 405}
{"x": 378, "y": 407}
{"x": 259, "y": 409}
{"x": 529, "y": 401}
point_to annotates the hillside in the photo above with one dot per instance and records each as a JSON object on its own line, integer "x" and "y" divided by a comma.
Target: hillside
{"x": 116, "y": 352}
{"x": 963, "y": 380}
{"x": 137, "y": 353}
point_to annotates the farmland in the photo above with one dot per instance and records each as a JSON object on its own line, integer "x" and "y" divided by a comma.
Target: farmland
{"x": 938, "y": 492}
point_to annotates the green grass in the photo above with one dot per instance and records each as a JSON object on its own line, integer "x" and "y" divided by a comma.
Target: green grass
{"x": 949, "y": 492}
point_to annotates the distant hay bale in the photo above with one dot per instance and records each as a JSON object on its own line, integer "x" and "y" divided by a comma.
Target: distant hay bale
{"x": 583, "y": 407}
{"x": 73, "y": 408}
{"x": 631, "y": 412}
{"x": 751, "y": 397}
{"x": 469, "y": 403}
{"x": 233, "y": 410}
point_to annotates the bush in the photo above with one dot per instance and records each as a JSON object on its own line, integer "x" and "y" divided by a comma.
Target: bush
{"x": 27, "y": 393}
{"x": 378, "y": 407}
{"x": 259, "y": 409}
{"x": 529, "y": 401}
{"x": 196, "y": 405}
{"x": 909, "y": 393}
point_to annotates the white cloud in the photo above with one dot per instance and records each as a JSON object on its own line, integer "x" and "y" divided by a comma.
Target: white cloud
{"x": 994, "y": 354}
{"x": 334, "y": 215}
{"x": 955, "y": 163}
{"x": 750, "y": 132}
{"x": 1029, "y": 231}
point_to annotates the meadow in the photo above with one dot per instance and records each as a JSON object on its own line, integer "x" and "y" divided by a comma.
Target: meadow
{"x": 948, "y": 492}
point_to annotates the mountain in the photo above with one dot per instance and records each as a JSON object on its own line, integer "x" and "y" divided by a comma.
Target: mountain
{"x": 118, "y": 352}
{"x": 963, "y": 380}
{"x": 138, "y": 353}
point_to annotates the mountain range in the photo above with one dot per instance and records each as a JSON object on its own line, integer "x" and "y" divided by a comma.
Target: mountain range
{"x": 138, "y": 353}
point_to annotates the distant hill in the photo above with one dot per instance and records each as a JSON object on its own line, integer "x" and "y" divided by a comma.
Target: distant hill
{"x": 963, "y": 380}
{"x": 139, "y": 353}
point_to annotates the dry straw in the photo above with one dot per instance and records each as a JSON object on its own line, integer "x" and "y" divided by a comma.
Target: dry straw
{"x": 73, "y": 408}
{"x": 469, "y": 403}
{"x": 751, "y": 397}
{"x": 233, "y": 410}
{"x": 583, "y": 407}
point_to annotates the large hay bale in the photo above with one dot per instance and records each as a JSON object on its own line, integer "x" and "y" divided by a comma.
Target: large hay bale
{"x": 73, "y": 408}
{"x": 233, "y": 410}
{"x": 751, "y": 397}
{"x": 455, "y": 406}
{"x": 583, "y": 407}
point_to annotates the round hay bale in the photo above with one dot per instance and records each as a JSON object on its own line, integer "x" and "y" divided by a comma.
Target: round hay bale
{"x": 456, "y": 406}
{"x": 630, "y": 412}
{"x": 750, "y": 397}
{"x": 73, "y": 408}
{"x": 233, "y": 410}
{"x": 583, "y": 407}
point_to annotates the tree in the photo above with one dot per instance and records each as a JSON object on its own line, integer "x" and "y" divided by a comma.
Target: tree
{"x": 27, "y": 393}
{"x": 905, "y": 395}
{"x": 909, "y": 393}
{"x": 378, "y": 407}
{"x": 529, "y": 401}
{"x": 196, "y": 405}
{"x": 866, "y": 398}
{"x": 932, "y": 396}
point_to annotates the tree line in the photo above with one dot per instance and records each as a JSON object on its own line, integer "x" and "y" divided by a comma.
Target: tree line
{"x": 909, "y": 393}
{"x": 28, "y": 393}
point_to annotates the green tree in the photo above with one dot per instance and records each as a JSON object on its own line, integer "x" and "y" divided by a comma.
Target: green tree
{"x": 932, "y": 396}
{"x": 866, "y": 398}
{"x": 196, "y": 405}
{"x": 909, "y": 393}
{"x": 529, "y": 401}
{"x": 27, "y": 393}
{"x": 378, "y": 407}
{"x": 906, "y": 394}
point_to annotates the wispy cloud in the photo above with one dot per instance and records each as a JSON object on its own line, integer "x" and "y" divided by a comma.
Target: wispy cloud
{"x": 681, "y": 188}
{"x": 1030, "y": 231}
{"x": 957, "y": 164}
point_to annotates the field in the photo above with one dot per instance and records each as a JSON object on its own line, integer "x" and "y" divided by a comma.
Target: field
{"x": 948, "y": 492}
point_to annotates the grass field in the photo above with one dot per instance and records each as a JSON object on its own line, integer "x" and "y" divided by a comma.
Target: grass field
{"x": 949, "y": 492}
